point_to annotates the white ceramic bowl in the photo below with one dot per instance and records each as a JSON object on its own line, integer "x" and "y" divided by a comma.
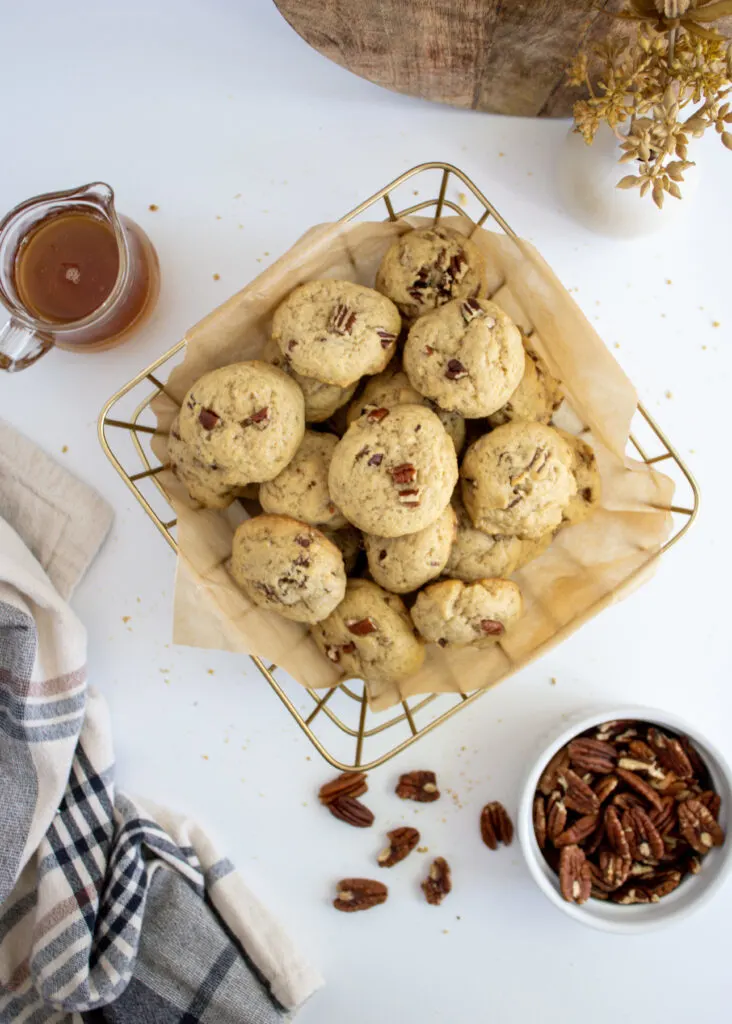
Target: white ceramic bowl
{"x": 694, "y": 889}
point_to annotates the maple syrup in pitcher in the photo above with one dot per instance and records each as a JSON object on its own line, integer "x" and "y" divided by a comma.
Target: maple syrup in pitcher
{"x": 73, "y": 273}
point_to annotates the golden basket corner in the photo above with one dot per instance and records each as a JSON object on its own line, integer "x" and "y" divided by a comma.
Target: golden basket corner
{"x": 359, "y": 730}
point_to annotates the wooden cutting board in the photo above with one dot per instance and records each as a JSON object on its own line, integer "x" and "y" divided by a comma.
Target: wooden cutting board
{"x": 503, "y": 56}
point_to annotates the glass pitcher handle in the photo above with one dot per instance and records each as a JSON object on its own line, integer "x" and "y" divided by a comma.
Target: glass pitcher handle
{"x": 19, "y": 347}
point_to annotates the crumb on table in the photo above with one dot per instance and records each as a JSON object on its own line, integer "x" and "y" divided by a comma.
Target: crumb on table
{"x": 126, "y": 618}
{"x": 153, "y": 207}
{"x": 217, "y": 277}
{"x": 64, "y": 449}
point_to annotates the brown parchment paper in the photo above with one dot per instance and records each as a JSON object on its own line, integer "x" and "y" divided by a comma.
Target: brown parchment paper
{"x": 587, "y": 567}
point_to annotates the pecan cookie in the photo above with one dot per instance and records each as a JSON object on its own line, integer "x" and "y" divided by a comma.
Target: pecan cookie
{"x": 402, "y": 564}
{"x": 537, "y": 397}
{"x": 288, "y": 567}
{"x": 393, "y": 471}
{"x": 301, "y": 489}
{"x": 204, "y": 482}
{"x": 467, "y": 356}
{"x": 321, "y": 400}
{"x": 518, "y": 480}
{"x": 370, "y": 635}
{"x": 391, "y": 388}
{"x": 425, "y": 268}
{"x": 587, "y": 477}
{"x": 336, "y": 331}
{"x": 476, "y": 555}
{"x": 247, "y": 420}
{"x": 458, "y": 614}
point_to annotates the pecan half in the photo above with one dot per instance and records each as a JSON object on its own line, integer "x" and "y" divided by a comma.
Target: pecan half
{"x": 644, "y": 841}
{"x": 665, "y": 819}
{"x": 641, "y": 787}
{"x": 629, "y": 894}
{"x": 361, "y": 627}
{"x": 662, "y": 884}
{"x": 495, "y": 825}
{"x": 605, "y": 787}
{"x": 575, "y": 879}
{"x": 208, "y": 419}
{"x": 670, "y": 753}
{"x": 405, "y": 473}
{"x": 359, "y": 894}
{"x": 712, "y": 801}
{"x": 540, "y": 821}
{"x": 627, "y": 800}
{"x": 438, "y": 882}
{"x": 348, "y": 784}
{"x": 455, "y": 370}
{"x": 377, "y": 415}
{"x": 616, "y": 833}
{"x": 698, "y": 826}
{"x": 641, "y": 751}
{"x": 556, "y": 767}
{"x": 401, "y": 843}
{"x": 578, "y": 795}
{"x": 589, "y": 755}
{"x": 352, "y": 811}
{"x": 578, "y": 831}
{"x": 419, "y": 786}
{"x": 593, "y": 843}
{"x": 614, "y": 869}
{"x": 342, "y": 319}
{"x": 556, "y": 816}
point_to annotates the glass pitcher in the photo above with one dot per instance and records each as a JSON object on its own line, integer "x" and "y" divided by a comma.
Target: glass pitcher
{"x": 68, "y": 284}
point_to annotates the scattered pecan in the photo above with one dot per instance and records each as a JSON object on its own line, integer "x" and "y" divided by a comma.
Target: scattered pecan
{"x": 377, "y": 415}
{"x": 698, "y": 826}
{"x": 352, "y": 811}
{"x": 540, "y": 821}
{"x": 342, "y": 319}
{"x": 375, "y": 460}
{"x": 492, "y": 627}
{"x": 589, "y": 755}
{"x": 419, "y": 786}
{"x": 208, "y": 419}
{"x": 359, "y": 894}
{"x": 606, "y": 786}
{"x": 405, "y": 473}
{"x": 438, "y": 882}
{"x": 258, "y": 419}
{"x": 641, "y": 787}
{"x": 348, "y": 784}
{"x": 556, "y": 767}
{"x": 578, "y": 831}
{"x": 644, "y": 841}
{"x": 556, "y": 816}
{"x": 578, "y": 796}
{"x": 401, "y": 843}
{"x": 671, "y": 754}
{"x": 455, "y": 370}
{"x": 495, "y": 825}
{"x": 361, "y": 627}
{"x": 575, "y": 879}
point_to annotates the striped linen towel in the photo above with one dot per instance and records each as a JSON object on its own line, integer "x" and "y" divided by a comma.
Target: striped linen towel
{"x": 111, "y": 909}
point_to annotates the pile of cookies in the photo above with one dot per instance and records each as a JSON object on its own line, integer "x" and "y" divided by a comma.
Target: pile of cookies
{"x": 397, "y": 440}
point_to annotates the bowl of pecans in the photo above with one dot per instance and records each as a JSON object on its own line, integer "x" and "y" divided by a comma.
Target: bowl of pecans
{"x": 623, "y": 819}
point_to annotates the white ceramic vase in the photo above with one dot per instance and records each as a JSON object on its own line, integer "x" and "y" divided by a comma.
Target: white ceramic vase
{"x": 587, "y": 179}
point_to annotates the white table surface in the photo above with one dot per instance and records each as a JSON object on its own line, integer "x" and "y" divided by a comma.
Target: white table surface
{"x": 185, "y": 105}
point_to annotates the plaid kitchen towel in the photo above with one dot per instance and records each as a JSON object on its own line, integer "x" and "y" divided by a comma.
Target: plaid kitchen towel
{"x": 111, "y": 909}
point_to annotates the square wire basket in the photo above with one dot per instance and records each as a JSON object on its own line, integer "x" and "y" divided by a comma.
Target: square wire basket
{"x": 338, "y": 721}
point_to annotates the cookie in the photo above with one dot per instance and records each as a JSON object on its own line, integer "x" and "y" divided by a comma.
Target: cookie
{"x": 321, "y": 400}
{"x": 587, "y": 477}
{"x": 391, "y": 388}
{"x": 370, "y": 635}
{"x": 205, "y": 485}
{"x": 457, "y": 614}
{"x": 476, "y": 555}
{"x": 518, "y": 480}
{"x": 403, "y": 564}
{"x": 247, "y": 420}
{"x": 393, "y": 471}
{"x": 336, "y": 331}
{"x": 301, "y": 489}
{"x": 426, "y": 268}
{"x": 288, "y": 567}
{"x": 467, "y": 356}
{"x": 349, "y": 543}
{"x": 537, "y": 397}
{"x": 531, "y": 549}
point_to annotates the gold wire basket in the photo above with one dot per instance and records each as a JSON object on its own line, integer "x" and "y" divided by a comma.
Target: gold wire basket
{"x": 338, "y": 721}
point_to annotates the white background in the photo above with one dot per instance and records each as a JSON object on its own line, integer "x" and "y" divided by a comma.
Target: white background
{"x": 185, "y": 105}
